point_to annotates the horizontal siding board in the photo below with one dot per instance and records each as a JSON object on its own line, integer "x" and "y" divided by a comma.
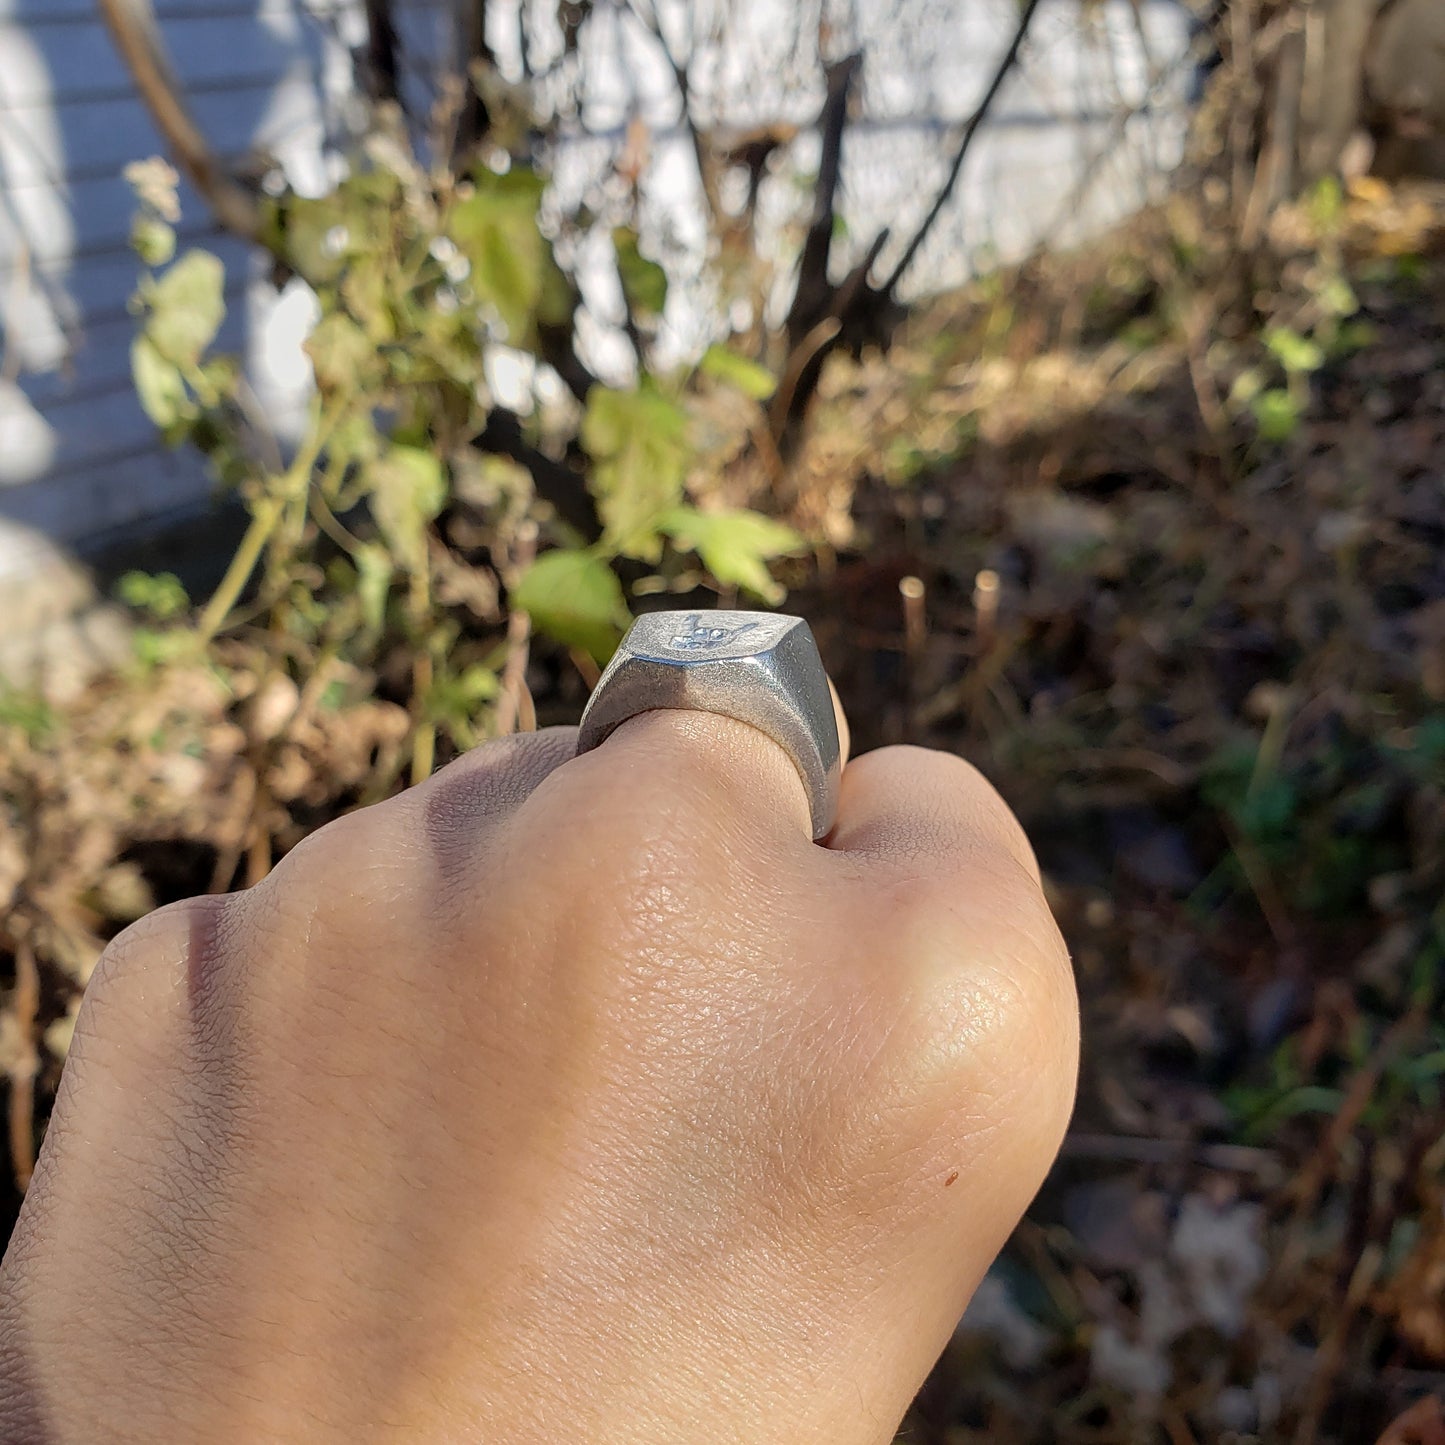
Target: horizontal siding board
{"x": 81, "y": 59}
{"x": 99, "y": 284}
{"x": 101, "y": 137}
{"x": 255, "y": 77}
{"x": 93, "y": 428}
{"x": 77, "y": 60}
{"x": 36, "y": 14}
{"x": 239, "y": 80}
{"x": 101, "y": 211}
{"x": 100, "y": 362}
{"x": 77, "y": 506}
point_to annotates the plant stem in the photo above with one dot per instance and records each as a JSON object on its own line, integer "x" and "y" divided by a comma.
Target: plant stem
{"x": 267, "y": 515}
{"x": 263, "y": 522}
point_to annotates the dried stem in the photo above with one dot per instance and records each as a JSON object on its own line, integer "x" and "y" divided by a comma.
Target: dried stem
{"x": 133, "y": 27}
{"x": 975, "y": 122}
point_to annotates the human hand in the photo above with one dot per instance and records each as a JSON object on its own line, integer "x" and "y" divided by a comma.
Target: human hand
{"x": 557, "y": 1098}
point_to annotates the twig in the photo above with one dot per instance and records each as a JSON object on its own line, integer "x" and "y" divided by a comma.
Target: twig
{"x": 381, "y": 71}
{"x": 1257, "y": 875}
{"x": 1311, "y": 1178}
{"x": 510, "y": 709}
{"x": 133, "y": 28}
{"x": 986, "y": 587}
{"x": 805, "y": 363}
{"x": 235, "y": 828}
{"x": 1331, "y": 1353}
{"x": 10, "y": 363}
{"x": 584, "y": 664}
{"x": 1136, "y": 1149}
{"x": 1274, "y": 172}
{"x": 812, "y": 294}
{"x": 975, "y": 121}
{"x": 424, "y": 739}
{"x": 265, "y": 518}
{"x": 263, "y": 522}
{"x": 649, "y": 18}
{"x": 800, "y": 358}
{"x": 260, "y": 424}
{"x": 473, "y": 120}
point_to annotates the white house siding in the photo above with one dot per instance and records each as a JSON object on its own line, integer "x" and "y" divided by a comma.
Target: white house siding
{"x": 1056, "y": 160}
{"x": 78, "y": 459}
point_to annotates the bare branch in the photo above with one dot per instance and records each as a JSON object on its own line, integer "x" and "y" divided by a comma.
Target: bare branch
{"x": 649, "y": 18}
{"x": 133, "y": 28}
{"x": 382, "y": 71}
{"x": 975, "y": 121}
{"x": 474, "y": 56}
{"x": 811, "y": 299}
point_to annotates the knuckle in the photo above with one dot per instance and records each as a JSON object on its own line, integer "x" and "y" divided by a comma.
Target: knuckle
{"x": 154, "y": 949}
{"x": 993, "y": 1006}
{"x": 345, "y": 877}
{"x": 614, "y": 823}
{"x": 155, "y": 973}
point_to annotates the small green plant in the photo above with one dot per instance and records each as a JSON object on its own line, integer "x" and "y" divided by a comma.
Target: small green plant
{"x": 31, "y": 714}
{"x": 1315, "y": 830}
{"x": 158, "y": 594}
{"x": 420, "y": 276}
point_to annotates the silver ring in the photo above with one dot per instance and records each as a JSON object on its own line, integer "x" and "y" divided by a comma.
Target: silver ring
{"x": 761, "y": 668}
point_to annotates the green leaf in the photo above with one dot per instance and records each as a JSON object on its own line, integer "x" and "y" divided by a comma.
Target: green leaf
{"x": 158, "y": 593}
{"x": 341, "y": 353}
{"x": 1277, "y": 414}
{"x": 638, "y": 444}
{"x": 355, "y": 441}
{"x": 738, "y": 372}
{"x": 1294, "y": 352}
{"x": 32, "y": 715}
{"x": 1247, "y": 386}
{"x": 368, "y": 289}
{"x": 644, "y": 282}
{"x": 512, "y": 266}
{"x": 374, "y": 571}
{"x": 1338, "y": 298}
{"x": 316, "y": 236}
{"x": 408, "y": 489}
{"x": 187, "y": 305}
{"x": 1326, "y": 204}
{"x": 734, "y": 546}
{"x": 159, "y": 385}
{"x": 152, "y": 240}
{"x": 576, "y": 598}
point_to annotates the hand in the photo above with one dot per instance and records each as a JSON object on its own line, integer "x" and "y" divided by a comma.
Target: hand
{"x": 555, "y": 1099}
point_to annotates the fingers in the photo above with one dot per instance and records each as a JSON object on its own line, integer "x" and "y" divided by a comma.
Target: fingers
{"x": 484, "y": 786}
{"x": 708, "y": 770}
{"x": 960, "y": 922}
{"x": 921, "y": 808}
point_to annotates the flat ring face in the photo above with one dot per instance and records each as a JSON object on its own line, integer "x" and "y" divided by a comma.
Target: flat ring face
{"x": 761, "y": 668}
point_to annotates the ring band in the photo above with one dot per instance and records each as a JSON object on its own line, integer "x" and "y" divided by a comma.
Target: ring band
{"x": 761, "y": 668}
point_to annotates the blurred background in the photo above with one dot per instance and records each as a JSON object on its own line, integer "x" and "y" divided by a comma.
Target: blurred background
{"x": 1077, "y": 367}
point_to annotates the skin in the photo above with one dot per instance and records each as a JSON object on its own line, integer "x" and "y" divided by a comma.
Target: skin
{"x": 557, "y": 1098}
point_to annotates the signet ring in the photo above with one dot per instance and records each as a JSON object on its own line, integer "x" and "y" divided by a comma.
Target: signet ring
{"x": 761, "y": 668}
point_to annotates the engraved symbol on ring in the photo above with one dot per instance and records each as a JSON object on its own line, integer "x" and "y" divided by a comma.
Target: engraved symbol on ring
{"x": 702, "y": 636}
